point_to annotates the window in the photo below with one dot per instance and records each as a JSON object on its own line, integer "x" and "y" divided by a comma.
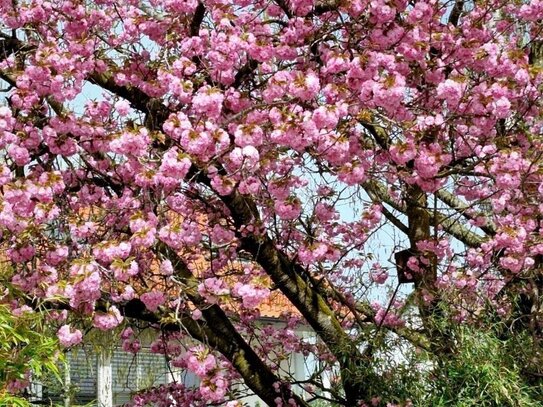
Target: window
{"x": 135, "y": 372}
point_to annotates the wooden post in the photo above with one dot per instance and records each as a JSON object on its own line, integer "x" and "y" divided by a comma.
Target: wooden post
{"x": 105, "y": 380}
{"x": 67, "y": 382}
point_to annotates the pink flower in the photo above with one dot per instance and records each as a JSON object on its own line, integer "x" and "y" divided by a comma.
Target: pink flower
{"x": 352, "y": 174}
{"x": 222, "y": 185}
{"x": 246, "y": 157}
{"x": 379, "y": 275}
{"x": 451, "y": 91}
{"x": 55, "y": 257}
{"x": 208, "y": 102}
{"x": 122, "y": 107}
{"x": 18, "y": 385}
{"x": 67, "y": 337}
{"x": 109, "y": 251}
{"x": 212, "y": 288}
{"x": 306, "y": 86}
{"x": 19, "y": 154}
{"x": 175, "y": 166}
{"x": 512, "y": 263}
{"x": 175, "y": 236}
{"x": 127, "y": 333}
{"x": 249, "y": 135}
{"x": 166, "y": 267}
{"x": 200, "y": 361}
{"x": 302, "y": 7}
{"x": 326, "y": 117}
{"x": 251, "y": 296}
{"x": 109, "y": 320}
{"x": 381, "y": 12}
{"x": 5, "y": 175}
{"x": 6, "y": 120}
{"x": 288, "y": 210}
{"x": 86, "y": 290}
{"x": 22, "y": 310}
{"x": 502, "y": 108}
{"x": 131, "y": 143}
{"x": 153, "y": 300}
{"x": 420, "y": 14}
{"x": 131, "y": 345}
{"x": 403, "y": 153}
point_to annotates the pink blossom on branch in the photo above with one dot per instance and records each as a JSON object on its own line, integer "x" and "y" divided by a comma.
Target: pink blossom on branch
{"x": 69, "y": 337}
{"x": 346, "y": 168}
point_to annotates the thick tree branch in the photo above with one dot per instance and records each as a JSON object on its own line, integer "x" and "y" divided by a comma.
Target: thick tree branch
{"x": 378, "y": 133}
{"x": 284, "y": 6}
{"x": 197, "y": 19}
{"x": 245, "y": 72}
{"x": 325, "y": 6}
{"x": 388, "y": 214}
{"x": 10, "y": 45}
{"x": 223, "y": 336}
{"x": 287, "y": 276}
{"x": 138, "y": 99}
{"x": 451, "y": 226}
{"x": 456, "y": 12}
{"x": 412, "y": 336}
{"x": 456, "y": 203}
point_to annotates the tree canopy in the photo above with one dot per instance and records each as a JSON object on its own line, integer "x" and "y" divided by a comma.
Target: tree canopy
{"x": 378, "y": 164}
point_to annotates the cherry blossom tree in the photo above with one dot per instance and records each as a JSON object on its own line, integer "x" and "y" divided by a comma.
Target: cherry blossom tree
{"x": 175, "y": 164}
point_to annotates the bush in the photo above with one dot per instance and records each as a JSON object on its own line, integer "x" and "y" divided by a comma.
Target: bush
{"x": 482, "y": 370}
{"x": 26, "y": 353}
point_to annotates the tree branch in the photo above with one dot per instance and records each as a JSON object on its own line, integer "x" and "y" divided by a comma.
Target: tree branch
{"x": 451, "y": 226}
{"x": 197, "y": 19}
{"x": 287, "y": 276}
{"x": 456, "y": 12}
{"x": 224, "y": 337}
{"x": 456, "y": 203}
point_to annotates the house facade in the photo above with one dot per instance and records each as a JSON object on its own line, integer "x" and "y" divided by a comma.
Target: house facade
{"x": 104, "y": 375}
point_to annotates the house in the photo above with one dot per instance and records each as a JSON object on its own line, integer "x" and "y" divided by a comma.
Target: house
{"x": 104, "y": 375}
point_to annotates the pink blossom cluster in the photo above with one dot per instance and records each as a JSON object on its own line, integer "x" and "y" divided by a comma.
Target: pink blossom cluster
{"x": 213, "y": 288}
{"x": 167, "y": 395}
{"x": 239, "y": 148}
{"x": 153, "y": 300}
{"x": 129, "y": 343}
{"x": 387, "y": 316}
{"x": 106, "y": 321}
{"x": 176, "y": 236}
{"x": 215, "y": 383}
{"x": 68, "y": 337}
{"x": 251, "y": 296}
